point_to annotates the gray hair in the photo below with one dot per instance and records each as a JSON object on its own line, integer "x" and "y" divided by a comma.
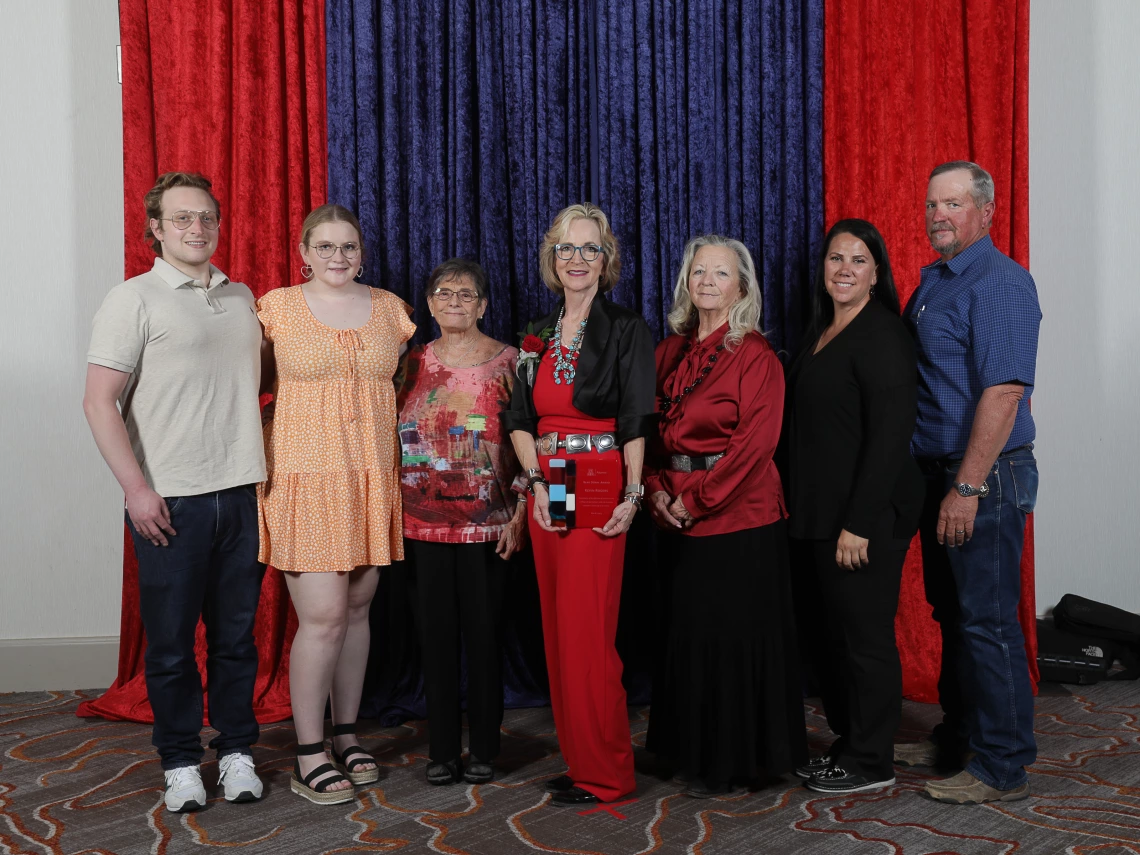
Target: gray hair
{"x": 745, "y": 314}
{"x": 982, "y": 190}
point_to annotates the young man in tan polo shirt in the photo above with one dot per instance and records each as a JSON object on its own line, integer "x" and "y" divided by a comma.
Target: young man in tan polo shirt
{"x": 172, "y": 384}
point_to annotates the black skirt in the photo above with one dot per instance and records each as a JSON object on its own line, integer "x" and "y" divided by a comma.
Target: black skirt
{"x": 728, "y": 700}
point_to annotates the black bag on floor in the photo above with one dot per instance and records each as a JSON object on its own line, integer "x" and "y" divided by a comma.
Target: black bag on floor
{"x": 1088, "y": 617}
{"x": 1066, "y": 657}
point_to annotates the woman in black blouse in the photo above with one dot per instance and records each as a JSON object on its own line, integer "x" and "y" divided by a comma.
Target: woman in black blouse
{"x": 855, "y": 499}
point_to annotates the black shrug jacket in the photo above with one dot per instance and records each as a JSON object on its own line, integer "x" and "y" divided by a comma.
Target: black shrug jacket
{"x": 615, "y": 377}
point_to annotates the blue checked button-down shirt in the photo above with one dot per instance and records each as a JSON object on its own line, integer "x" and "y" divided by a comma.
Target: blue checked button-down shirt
{"x": 975, "y": 320}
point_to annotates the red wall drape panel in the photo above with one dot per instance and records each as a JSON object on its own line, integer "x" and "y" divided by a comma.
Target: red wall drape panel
{"x": 234, "y": 89}
{"x": 908, "y": 86}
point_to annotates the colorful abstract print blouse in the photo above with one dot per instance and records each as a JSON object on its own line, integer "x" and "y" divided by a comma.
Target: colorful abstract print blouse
{"x": 458, "y": 464}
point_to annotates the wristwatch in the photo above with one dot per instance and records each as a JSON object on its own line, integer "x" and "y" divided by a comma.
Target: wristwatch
{"x": 966, "y": 491}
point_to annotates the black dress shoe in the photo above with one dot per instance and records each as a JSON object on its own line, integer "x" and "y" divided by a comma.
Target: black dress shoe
{"x": 560, "y": 784}
{"x": 478, "y": 772}
{"x": 574, "y": 796}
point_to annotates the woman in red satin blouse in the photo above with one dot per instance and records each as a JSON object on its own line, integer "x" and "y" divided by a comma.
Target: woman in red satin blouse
{"x": 729, "y": 707}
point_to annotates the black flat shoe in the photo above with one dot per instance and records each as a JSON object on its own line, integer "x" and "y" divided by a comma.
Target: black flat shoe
{"x": 574, "y": 796}
{"x": 445, "y": 773}
{"x": 478, "y": 772}
{"x": 560, "y": 784}
{"x": 702, "y": 790}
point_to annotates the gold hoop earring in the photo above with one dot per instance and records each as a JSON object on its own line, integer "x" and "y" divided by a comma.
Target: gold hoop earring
{"x": 359, "y": 272}
{"x": 307, "y": 271}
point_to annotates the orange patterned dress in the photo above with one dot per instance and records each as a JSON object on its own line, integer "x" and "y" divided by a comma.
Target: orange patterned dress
{"x": 332, "y": 498}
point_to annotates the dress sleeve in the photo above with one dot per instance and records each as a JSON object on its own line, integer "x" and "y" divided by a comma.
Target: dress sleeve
{"x": 636, "y": 416}
{"x": 264, "y": 305}
{"x": 401, "y": 317}
{"x": 753, "y": 441}
{"x": 887, "y": 373}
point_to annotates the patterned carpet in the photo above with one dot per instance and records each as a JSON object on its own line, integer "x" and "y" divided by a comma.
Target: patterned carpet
{"x": 77, "y": 786}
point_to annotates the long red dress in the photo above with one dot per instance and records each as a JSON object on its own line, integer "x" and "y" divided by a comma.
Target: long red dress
{"x": 579, "y": 585}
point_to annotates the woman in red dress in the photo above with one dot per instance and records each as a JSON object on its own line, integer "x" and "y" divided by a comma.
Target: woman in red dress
{"x": 729, "y": 708}
{"x": 584, "y": 397}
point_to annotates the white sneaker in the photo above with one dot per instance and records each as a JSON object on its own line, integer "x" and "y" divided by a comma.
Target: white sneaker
{"x": 238, "y": 778}
{"x": 184, "y": 790}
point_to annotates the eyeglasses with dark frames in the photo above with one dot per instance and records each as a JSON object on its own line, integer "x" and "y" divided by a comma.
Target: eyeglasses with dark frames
{"x": 182, "y": 220}
{"x": 444, "y": 295}
{"x": 350, "y": 250}
{"x": 588, "y": 251}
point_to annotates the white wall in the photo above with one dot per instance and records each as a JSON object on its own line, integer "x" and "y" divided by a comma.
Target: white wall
{"x": 61, "y": 223}
{"x": 1084, "y": 218}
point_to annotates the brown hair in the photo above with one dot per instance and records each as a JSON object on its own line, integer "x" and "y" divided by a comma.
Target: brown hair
{"x": 168, "y": 181}
{"x": 331, "y": 214}
{"x": 458, "y": 268}
{"x": 611, "y": 253}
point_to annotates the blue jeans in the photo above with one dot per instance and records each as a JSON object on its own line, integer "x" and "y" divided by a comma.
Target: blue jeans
{"x": 209, "y": 570}
{"x": 984, "y": 688}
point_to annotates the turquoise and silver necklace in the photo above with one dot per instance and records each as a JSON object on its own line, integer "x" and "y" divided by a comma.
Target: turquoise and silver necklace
{"x": 564, "y": 359}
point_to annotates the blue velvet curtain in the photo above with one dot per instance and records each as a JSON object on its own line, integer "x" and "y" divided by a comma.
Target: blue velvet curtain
{"x": 456, "y": 128}
{"x": 710, "y": 120}
{"x": 460, "y": 127}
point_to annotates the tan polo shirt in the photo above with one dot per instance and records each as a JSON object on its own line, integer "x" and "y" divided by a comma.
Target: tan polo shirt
{"x": 191, "y": 402}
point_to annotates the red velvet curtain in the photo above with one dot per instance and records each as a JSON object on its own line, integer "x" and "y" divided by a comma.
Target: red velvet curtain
{"x": 234, "y": 89}
{"x": 908, "y": 86}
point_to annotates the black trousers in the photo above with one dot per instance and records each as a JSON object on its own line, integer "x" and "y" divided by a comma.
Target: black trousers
{"x": 459, "y": 594}
{"x": 850, "y": 642}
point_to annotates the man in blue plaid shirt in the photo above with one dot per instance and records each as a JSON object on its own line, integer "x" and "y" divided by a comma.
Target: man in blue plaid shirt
{"x": 975, "y": 318}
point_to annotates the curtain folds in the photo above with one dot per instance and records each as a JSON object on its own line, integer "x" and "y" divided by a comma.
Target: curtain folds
{"x": 909, "y": 86}
{"x": 458, "y": 128}
{"x": 710, "y": 120}
{"x": 234, "y": 90}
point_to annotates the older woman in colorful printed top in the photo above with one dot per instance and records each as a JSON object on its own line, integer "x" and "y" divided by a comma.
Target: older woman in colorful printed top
{"x": 461, "y": 518}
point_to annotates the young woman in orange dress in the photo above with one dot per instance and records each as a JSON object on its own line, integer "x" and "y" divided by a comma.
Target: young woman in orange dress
{"x": 330, "y": 510}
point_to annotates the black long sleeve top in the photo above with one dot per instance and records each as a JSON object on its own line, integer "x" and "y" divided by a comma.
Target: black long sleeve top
{"x": 615, "y": 376}
{"x": 850, "y": 416}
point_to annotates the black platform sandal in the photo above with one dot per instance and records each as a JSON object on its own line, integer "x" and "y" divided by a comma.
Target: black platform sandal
{"x": 478, "y": 772}
{"x": 450, "y": 772}
{"x": 353, "y": 757}
{"x": 319, "y": 793}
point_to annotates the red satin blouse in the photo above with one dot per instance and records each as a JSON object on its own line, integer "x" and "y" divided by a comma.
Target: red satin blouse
{"x": 737, "y": 409}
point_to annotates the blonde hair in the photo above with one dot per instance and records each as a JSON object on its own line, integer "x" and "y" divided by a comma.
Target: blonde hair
{"x": 611, "y": 254}
{"x": 168, "y": 181}
{"x": 331, "y": 214}
{"x": 746, "y": 313}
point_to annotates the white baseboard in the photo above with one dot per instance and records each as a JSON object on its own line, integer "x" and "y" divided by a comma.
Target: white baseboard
{"x": 34, "y": 664}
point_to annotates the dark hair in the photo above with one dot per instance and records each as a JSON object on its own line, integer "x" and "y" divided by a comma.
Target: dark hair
{"x": 152, "y": 200}
{"x": 455, "y": 268}
{"x": 822, "y": 308}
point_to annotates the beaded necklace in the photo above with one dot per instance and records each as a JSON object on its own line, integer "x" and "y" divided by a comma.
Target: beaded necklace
{"x": 670, "y": 403}
{"x": 564, "y": 360}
